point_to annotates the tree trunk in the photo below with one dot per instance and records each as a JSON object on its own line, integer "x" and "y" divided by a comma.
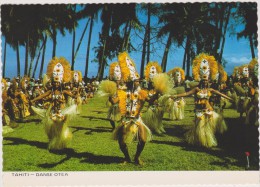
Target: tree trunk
{"x": 38, "y": 57}
{"x": 252, "y": 46}
{"x": 143, "y": 55}
{"x": 224, "y": 35}
{"x": 184, "y": 57}
{"x": 148, "y": 32}
{"x": 54, "y": 38}
{"x": 125, "y": 37}
{"x": 88, "y": 48}
{"x": 80, "y": 41}
{"x": 128, "y": 36}
{"x": 18, "y": 59}
{"x": 26, "y": 55}
{"x": 43, "y": 55}
{"x": 36, "y": 65}
{"x": 30, "y": 67}
{"x": 165, "y": 54}
{"x": 188, "y": 59}
{"x": 73, "y": 48}
{"x": 102, "y": 63}
{"x": 4, "y": 59}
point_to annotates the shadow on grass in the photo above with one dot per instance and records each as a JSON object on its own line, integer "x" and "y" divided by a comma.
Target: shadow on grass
{"x": 232, "y": 144}
{"x": 30, "y": 120}
{"x": 91, "y": 130}
{"x": 99, "y": 111}
{"x": 95, "y": 118}
{"x": 69, "y": 152}
{"x": 176, "y": 130}
{"x": 89, "y": 158}
{"x": 18, "y": 141}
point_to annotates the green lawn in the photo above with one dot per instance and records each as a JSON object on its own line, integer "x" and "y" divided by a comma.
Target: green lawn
{"x": 92, "y": 148}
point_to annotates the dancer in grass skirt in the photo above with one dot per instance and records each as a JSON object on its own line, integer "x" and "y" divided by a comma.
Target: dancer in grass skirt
{"x": 56, "y": 117}
{"x": 206, "y": 124}
{"x": 176, "y": 107}
{"x": 158, "y": 84}
{"x": 130, "y": 102}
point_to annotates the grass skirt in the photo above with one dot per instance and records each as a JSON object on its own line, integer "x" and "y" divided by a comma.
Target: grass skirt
{"x": 243, "y": 104}
{"x": 204, "y": 129}
{"x": 252, "y": 116}
{"x": 56, "y": 127}
{"x": 113, "y": 113}
{"x": 153, "y": 118}
{"x": 176, "y": 109}
{"x": 130, "y": 130}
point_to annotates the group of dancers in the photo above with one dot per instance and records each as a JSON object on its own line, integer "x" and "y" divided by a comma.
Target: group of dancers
{"x": 164, "y": 93}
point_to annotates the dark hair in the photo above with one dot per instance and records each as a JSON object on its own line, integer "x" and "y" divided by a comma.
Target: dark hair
{"x": 203, "y": 84}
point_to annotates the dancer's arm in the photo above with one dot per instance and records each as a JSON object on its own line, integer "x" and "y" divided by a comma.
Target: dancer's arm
{"x": 193, "y": 91}
{"x": 41, "y": 96}
{"x": 113, "y": 99}
{"x": 221, "y": 94}
{"x": 69, "y": 94}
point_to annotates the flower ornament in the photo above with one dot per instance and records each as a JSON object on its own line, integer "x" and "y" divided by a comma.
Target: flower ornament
{"x": 132, "y": 69}
{"x": 247, "y": 159}
{"x": 59, "y": 70}
{"x": 152, "y": 69}
{"x": 115, "y": 72}
{"x": 177, "y": 77}
{"x": 244, "y": 71}
{"x": 204, "y": 69}
{"x": 127, "y": 67}
{"x": 76, "y": 76}
{"x": 177, "y": 74}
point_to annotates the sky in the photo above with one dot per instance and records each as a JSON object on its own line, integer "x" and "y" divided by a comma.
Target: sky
{"x": 236, "y": 52}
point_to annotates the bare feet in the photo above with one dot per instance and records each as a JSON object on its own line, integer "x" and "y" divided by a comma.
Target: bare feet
{"x": 138, "y": 161}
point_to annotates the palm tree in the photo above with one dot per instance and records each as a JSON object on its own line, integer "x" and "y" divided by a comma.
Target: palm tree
{"x": 91, "y": 12}
{"x": 248, "y": 12}
{"x": 4, "y": 59}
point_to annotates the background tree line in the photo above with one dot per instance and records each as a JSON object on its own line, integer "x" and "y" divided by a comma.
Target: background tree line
{"x": 196, "y": 27}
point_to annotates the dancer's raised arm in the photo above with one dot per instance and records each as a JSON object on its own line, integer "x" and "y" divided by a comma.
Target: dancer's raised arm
{"x": 193, "y": 91}
{"x": 41, "y": 96}
{"x": 221, "y": 94}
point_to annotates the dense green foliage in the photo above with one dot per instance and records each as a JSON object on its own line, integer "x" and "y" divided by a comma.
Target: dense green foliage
{"x": 92, "y": 148}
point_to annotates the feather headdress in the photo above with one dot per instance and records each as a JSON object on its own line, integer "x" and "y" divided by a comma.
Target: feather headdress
{"x": 59, "y": 70}
{"x": 172, "y": 72}
{"x": 76, "y": 76}
{"x": 114, "y": 71}
{"x": 253, "y": 67}
{"x": 204, "y": 58}
{"x": 4, "y": 83}
{"x": 241, "y": 70}
{"x": 127, "y": 66}
{"x": 222, "y": 73}
{"x": 151, "y": 69}
{"x": 236, "y": 72}
{"x": 24, "y": 82}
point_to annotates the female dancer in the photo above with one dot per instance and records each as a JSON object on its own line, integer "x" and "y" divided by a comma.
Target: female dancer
{"x": 130, "y": 102}
{"x": 207, "y": 121}
{"x": 158, "y": 85}
{"x": 56, "y": 116}
{"x": 176, "y": 107}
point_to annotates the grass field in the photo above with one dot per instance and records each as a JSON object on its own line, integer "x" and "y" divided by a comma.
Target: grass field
{"x": 92, "y": 148}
